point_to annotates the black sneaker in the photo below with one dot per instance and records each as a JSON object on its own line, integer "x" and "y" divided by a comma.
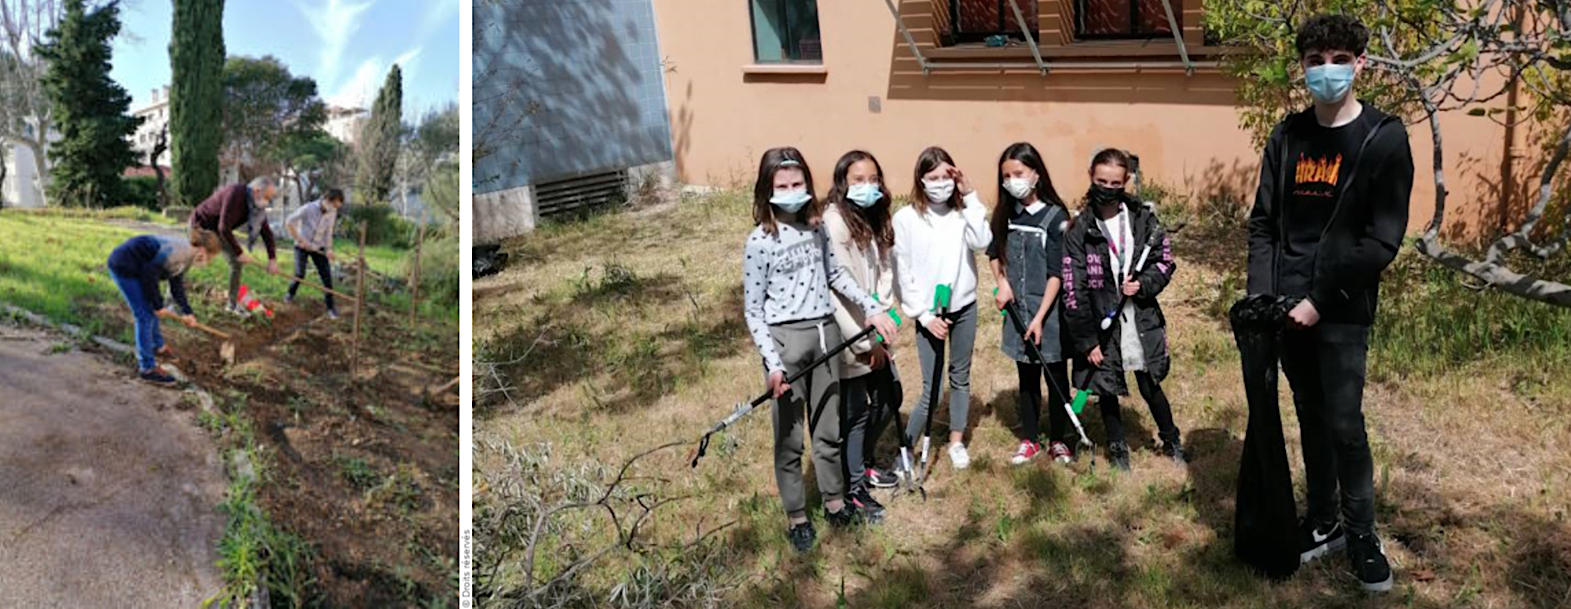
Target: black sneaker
{"x": 1318, "y": 539}
{"x": 802, "y": 537}
{"x": 1369, "y": 563}
{"x": 157, "y": 376}
{"x": 1174, "y": 449}
{"x": 880, "y": 479}
{"x": 1118, "y": 454}
{"x": 848, "y": 516}
{"x": 872, "y": 511}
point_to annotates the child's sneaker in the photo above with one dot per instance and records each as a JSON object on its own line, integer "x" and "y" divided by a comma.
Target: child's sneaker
{"x": 802, "y": 537}
{"x": 157, "y": 376}
{"x": 332, "y": 314}
{"x": 1174, "y": 450}
{"x": 871, "y": 509}
{"x": 848, "y": 516}
{"x": 1061, "y": 452}
{"x": 1118, "y": 454}
{"x": 1025, "y": 452}
{"x": 1369, "y": 562}
{"x": 879, "y": 479}
{"x": 1316, "y": 540}
{"x": 289, "y": 298}
{"x": 958, "y": 456}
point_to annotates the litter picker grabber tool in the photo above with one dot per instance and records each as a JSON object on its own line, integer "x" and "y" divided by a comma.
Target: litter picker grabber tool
{"x": 744, "y": 408}
{"x": 1013, "y": 313}
{"x": 1140, "y": 265}
{"x": 941, "y": 296}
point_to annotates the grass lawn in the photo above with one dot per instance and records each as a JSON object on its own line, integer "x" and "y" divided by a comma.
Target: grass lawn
{"x": 54, "y": 264}
{"x": 615, "y": 346}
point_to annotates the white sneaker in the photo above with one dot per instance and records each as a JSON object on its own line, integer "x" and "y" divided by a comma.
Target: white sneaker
{"x": 237, "y": 311}
{"x": 958, "y": 456}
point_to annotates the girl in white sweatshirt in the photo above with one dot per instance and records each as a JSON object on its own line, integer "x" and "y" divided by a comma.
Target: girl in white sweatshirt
{"x": 936, "y": 240}
{"x": 788, "y": 272}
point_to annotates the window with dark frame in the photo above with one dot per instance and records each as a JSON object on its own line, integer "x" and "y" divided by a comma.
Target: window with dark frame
{"x": 786, "y": 31}
{"x": 978, "y": 20}
{"x": 1123, "y": 19}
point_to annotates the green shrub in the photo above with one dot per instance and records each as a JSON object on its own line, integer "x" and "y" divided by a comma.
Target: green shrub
{"x": 142, "y": 191}
{"x": 383, "y": 225}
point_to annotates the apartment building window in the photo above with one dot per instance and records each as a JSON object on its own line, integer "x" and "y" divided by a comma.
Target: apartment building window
{"x": 1124, "y": 19}
{"x": 978, "y": 20}
{"x": 786, "y": 31}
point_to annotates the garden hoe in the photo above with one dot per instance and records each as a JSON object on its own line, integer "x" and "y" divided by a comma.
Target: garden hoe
{"x": 743, "y": 408}
{"x": 308, "y": 284}
{"x": 225, "y": 350}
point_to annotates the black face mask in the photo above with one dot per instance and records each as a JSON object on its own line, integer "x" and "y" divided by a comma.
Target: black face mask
{"x": 1103, "y": 196}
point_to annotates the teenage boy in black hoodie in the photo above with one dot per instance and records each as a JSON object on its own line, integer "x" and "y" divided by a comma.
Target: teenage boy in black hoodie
{"x": 1329, "y": 215}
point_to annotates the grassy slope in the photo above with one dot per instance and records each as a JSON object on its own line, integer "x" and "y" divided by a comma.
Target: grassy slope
{"x": 54, "y": 264}
{"x": 636, "y": 341}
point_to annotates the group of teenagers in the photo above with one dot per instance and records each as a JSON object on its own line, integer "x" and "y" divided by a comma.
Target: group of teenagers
{"x": 820, "y": 269}
{"x": 142, "y": 264}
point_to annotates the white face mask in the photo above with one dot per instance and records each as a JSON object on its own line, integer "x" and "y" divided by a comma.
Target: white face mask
{"x": 939, "y": 191}
{"x": 790, "y": 201}
{"x": 1019, "y": 187}
{"x": 864, "y": 194}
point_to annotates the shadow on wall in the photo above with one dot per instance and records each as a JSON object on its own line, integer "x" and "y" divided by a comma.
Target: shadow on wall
{"x": 906, "y": 80}
{"x": 565, "y": 88}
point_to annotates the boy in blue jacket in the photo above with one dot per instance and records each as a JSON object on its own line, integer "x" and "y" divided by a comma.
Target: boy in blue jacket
{"x": 137, "y": 267}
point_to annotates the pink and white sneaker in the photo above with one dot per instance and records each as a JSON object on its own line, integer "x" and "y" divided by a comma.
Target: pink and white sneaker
{"x": 1025, "y": 453}
{"x": 1060, "y": 452}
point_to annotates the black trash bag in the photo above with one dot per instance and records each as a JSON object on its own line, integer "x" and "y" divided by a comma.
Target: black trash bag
{"x": 488, "y": 260}
{"x": 1265, "y": 524}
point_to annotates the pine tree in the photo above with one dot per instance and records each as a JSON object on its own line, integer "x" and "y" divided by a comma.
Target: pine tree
{"x": 196, "y": 97}
{"x": 380, "y": 138}
{"x": 90, "y": 108}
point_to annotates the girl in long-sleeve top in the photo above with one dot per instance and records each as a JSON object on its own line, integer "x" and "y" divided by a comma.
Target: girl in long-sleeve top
{"x": 1027, "y": 258}
{"x": 1101, "y": 252}
{"x": 789, "y": 271}
{"x": 936, "y": 238}
{"x": 138, "y": 267}
{"x": 862, "y": 236}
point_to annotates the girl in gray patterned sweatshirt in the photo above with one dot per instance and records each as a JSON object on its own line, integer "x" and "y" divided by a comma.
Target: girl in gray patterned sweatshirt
{"x": 788, "y": 271}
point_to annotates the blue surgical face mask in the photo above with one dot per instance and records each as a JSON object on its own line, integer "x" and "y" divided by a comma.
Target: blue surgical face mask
{"x": 864, "y": 194}
{"x": 1329, "y": 83}
{"x": 791, "y": 201}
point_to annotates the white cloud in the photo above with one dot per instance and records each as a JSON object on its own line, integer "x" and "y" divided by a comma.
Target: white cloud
{"x": 334, "y": 24}
{"x": 360, "y": 90}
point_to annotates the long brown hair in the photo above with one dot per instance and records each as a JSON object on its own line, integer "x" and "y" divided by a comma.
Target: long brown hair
{"x": 929, "y": 160}
{"x": 1027, "y": 155}
{"x": 773, "y": 161}
{"x": 865, "y": 223}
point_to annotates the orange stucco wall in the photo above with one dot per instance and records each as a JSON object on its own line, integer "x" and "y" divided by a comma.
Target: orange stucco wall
{"x": 1184, "y": 128}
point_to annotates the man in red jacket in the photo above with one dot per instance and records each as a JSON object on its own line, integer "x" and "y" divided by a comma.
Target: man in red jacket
{"x": 235, "y": 206}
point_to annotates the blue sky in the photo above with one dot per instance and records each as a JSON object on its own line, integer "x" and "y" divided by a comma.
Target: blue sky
{"x": 346, "y": 45}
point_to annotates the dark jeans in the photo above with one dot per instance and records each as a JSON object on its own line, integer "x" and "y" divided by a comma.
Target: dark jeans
{"x": 869, "y": 403}
{"x": 1030, "y": 401}
{"x": 1156, "y": 400}
{"x": 1325, "y": 368}
{"x": 148, "y": 337}
{"x": 323, "y": 270}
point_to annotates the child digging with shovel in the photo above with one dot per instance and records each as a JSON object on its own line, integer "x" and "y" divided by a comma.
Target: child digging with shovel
{"x": 311, "y": 226}
{"x": 789, "y": 269}
{"x": 137, "y": 266}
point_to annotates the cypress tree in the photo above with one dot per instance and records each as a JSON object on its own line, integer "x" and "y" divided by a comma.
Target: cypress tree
{"x": 196, "y": 97}
{"x": 379, "y": 139}
{"x": 90, "y": 109}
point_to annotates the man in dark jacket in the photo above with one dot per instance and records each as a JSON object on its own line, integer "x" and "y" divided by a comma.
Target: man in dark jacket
{"x": 232, "y": 207}
{"x": 1329, "y": 215}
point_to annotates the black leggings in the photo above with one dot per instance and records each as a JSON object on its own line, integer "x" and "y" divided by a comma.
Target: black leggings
{"x": 1161, "y": 410}
{"x": 1030, "y": 401}
{"x": 323, "y": 270}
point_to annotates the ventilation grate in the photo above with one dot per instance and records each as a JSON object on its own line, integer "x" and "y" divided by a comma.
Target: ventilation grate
{"x": 580, "y": 194}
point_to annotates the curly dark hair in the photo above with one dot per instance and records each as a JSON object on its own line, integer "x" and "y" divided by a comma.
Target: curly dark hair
{"x": 1332, "y": 33}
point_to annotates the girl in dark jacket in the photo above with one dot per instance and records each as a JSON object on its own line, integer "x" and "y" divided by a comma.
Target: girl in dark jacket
{"x": 1101, "y": 267}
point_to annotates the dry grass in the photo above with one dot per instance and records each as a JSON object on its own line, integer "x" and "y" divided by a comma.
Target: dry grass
{"x": 634, "y": 338}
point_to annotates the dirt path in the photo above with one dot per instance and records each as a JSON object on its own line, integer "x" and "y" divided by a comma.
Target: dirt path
{"x": 108, "y": 489}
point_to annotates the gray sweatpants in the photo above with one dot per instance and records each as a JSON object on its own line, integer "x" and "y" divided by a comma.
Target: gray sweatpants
{"x": 962, "y": 339}
{"x": 815, "y": 396}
